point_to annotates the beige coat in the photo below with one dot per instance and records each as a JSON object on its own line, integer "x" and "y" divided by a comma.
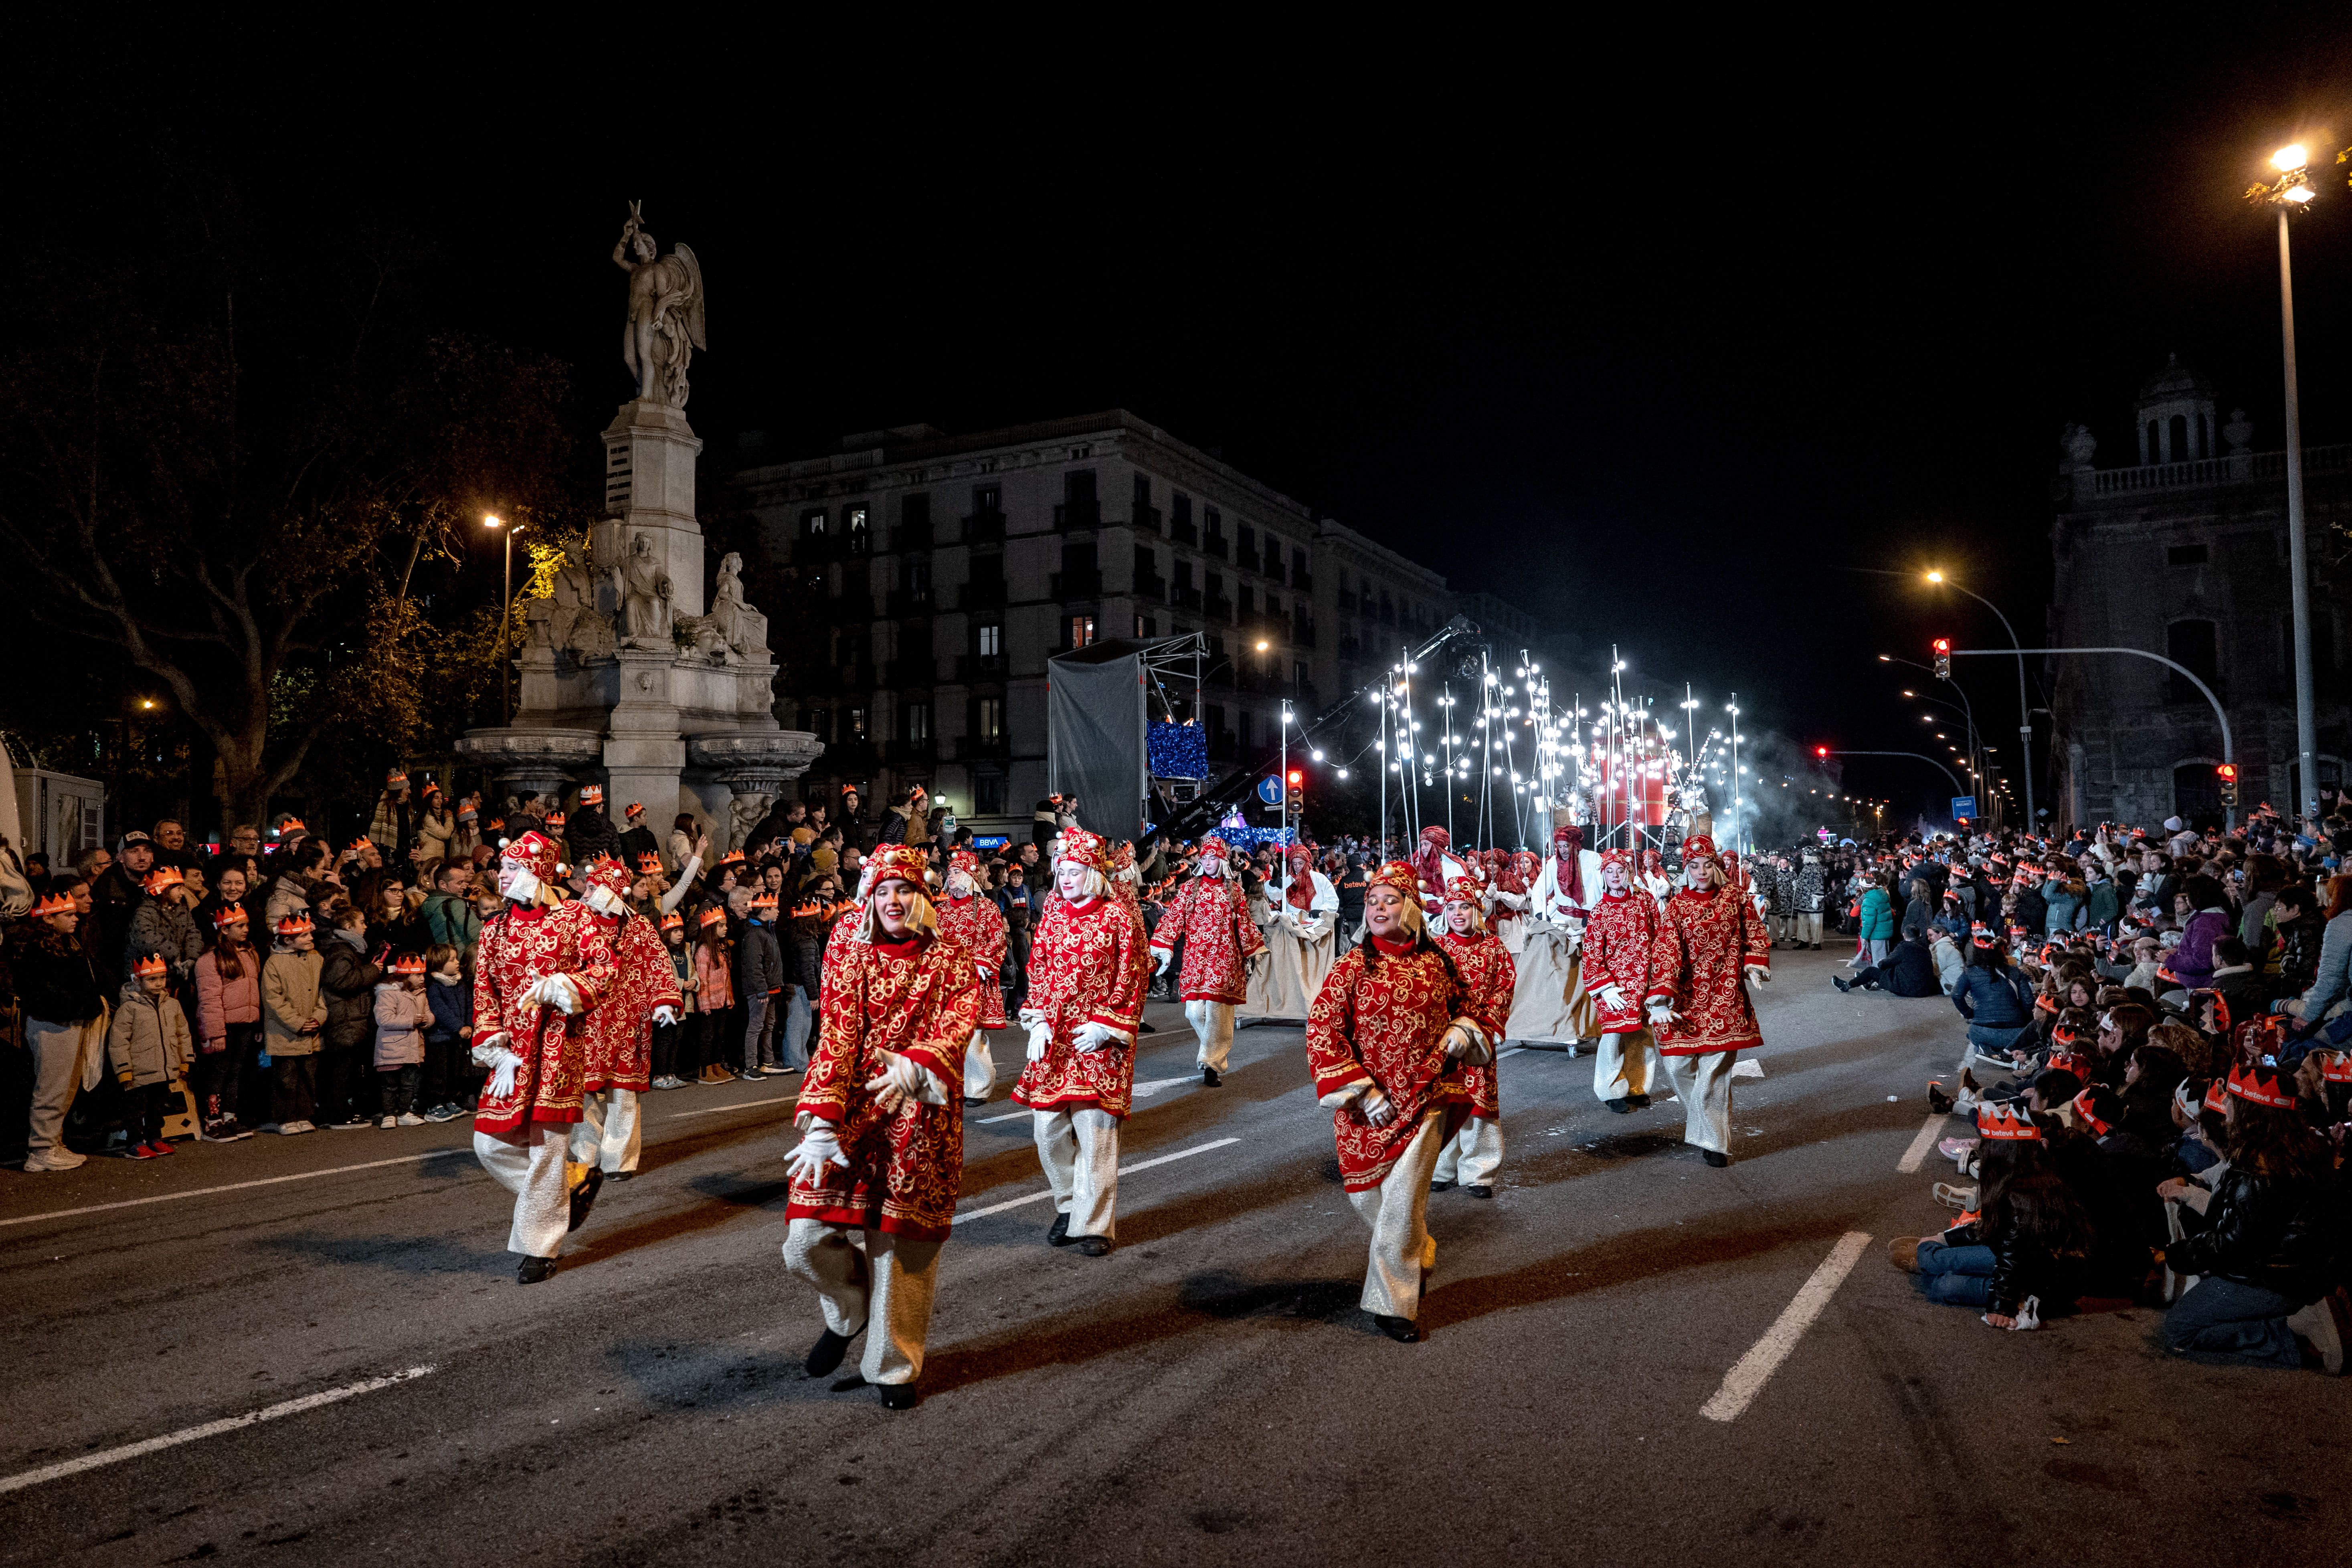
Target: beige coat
{"x": 147, "y": 1042}
{"x": 289, "y": 999}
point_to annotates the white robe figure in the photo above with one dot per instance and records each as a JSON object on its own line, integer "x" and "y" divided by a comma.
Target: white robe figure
{"x": 1301, "y": 947}
{"x": 1548, "y": 1004}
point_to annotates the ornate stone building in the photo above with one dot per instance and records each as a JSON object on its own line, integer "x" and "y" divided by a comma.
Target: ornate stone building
{"x": 955, "y": 566}
{"x": 2185, "y": 554}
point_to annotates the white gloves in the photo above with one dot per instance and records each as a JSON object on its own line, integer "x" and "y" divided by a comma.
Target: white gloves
{"x": 897, "y": 1083}
{"x": 664, "y": 1014}
{"x": 1375, "y": 1108}
{"x": 818, "y": 1149}
{"x": 554, "y": 991}
{"x": 1465, "y": 1040}
{"x": 489, "y": 1046}
{"x": 1041, "y": 1035}
{"x": 502, "y": 1080}
{"x": 1758, "y": 974}
{"x": 1612, "y": 996}
{"x": 987, "y": 976}
{"x": 1161, "y": 957}
{"x": 1662, "y": 1012}
{"x": 1092, "y": 1036}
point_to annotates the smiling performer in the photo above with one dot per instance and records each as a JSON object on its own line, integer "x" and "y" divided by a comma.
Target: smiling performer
{"x": 1710, "y": 940}
{"x": 1621, "y": 936}
{"x": 1386, "y": 1044}
{"x": 610, "y": 1133}
{"x": 542, "y": 965}
{"x": 881, "y": 1150}
{"x": 1473, "y": 1156}
{"x": 977, "y": 926}
{"x": 1212, "y": 919}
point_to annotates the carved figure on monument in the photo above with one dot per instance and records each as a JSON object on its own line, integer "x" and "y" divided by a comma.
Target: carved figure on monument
{"x": 745, "y": 813}
{"x": 743, "y": 628}
{"x": 642, "y": 589}
{"x": 576, "y": 625}
{"x": 665, "y": 312}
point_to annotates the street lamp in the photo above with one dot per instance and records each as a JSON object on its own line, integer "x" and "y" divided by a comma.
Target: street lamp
{"x": 506, "y": 614}
{"x": 2024, "y": 713}
{"x": 2292, "y": 193}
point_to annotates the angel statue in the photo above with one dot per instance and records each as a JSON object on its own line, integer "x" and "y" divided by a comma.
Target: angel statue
{"x": 665, "y": 311}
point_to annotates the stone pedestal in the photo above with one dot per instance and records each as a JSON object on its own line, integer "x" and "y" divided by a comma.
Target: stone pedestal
{"x": 754, "y": 768}
{"x": 649, "y": 452}
{"x": 530, "y": 762}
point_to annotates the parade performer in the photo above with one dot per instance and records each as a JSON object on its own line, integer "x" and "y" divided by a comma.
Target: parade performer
{"x": 1210, "y": 918}
{"x": 1552, "y": 1005}
{"x": 1302, "y": 926}
{"x": 1621, "y": 937}
{"x": 977, "y": 925}
{"x": 1473, "y": 1155}
{"x": 880, "y": 1160}
{"x": 1386, "y": 1044}
{"x": 541, "y": 965}
{"x": 1088, "y": 963}
{"x": 1653, "y": 879}
{"x": 610, "y": 1133}
{"x": 1436, "y": 864}
{"x": 1710, "y": 940}
{"x": 1514, "y": 886}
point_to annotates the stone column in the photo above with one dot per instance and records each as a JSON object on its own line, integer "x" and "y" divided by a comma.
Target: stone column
{"x": 754, "y": 767}
{"x": 649, "y": 452}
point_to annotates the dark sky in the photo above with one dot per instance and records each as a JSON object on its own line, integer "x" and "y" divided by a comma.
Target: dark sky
{"x": 1657, "y": 335}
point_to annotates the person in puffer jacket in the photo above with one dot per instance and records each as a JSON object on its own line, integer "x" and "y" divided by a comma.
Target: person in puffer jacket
{"x": 403, "y": 1014}
{"x": 149, "y": 1046}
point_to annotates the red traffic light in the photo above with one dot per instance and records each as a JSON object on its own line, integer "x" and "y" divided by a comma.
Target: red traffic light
{"x": 2225, "y": 770}
{"x": 1943, "y": 645}
{"x": 1821, "y": 751}
{"x": 1296, "y": 778}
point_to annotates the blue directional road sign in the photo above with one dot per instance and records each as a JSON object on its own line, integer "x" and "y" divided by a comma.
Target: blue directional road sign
{"x": 1269, "y": 790}
{"x": 1965, "y": 806}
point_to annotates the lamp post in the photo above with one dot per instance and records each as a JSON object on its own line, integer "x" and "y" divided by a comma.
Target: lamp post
{"x": 1738, "y": 827}
{"x": 2024, "y": 713}
{"x": 1967, "y": 709}
{"x": 2292, "y": 193}
{"x": 1286, "y": 773}
{"x": 506, "y": 614}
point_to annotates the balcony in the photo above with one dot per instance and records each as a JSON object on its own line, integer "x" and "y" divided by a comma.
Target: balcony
{"x": 987, "y": 593}
{"x": 906, "y": 601}
{"x": 984, "y": 528}
{"x": 980, "y": 667}
{"x": 1083, "y": 584}
{"x": 923, "y": 751}
{"x": 1070, "y": 515}
{"x": 1184, "y": 598}
{"x": 1152, "y": 586}
{"x": 1146, "y": 520}
{"x": 1246, "y": 558}
{"x": 982, "y": 748}
{"x": 1182, "y": 532}
{"x": 1214, "y": 544}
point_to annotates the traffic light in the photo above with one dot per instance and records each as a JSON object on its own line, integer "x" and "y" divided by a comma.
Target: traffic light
{"x": 2227, "y": 773}
{"x": 1297, "y": 789}
{"x": 1943, "y": 658}
{"x": 1821, "y": 751}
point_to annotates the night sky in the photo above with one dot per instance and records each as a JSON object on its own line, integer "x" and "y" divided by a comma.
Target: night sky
{"x": 1659, "y": 348}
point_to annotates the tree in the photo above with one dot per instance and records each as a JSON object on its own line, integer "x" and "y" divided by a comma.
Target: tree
{"x": 231, "y": 449}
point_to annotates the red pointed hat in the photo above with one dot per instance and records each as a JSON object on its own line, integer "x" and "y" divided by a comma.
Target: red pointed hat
{"x": 1080, "y": 848}
{"x": 534, "y": 853}
{"x": 965, "y": 861}
{"x": 607, "y": 873}
{"x": 1618, "y": 857}
{"x": 1399, "y": 875}
{"x": 1465, "y": 890}
{"x": 902, "y": 863}
{"x": 1699, "y": 846}
{"x": 1212, "y": 845}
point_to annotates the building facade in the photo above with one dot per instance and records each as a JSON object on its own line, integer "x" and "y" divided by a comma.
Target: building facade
{"x": 954, "y": 567}
{"x": 2185, "y": 554}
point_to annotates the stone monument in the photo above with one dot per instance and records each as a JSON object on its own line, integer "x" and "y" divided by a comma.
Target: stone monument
{"x": 626, "y": 681}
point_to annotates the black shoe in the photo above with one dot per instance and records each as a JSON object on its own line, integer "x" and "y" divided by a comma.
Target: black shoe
{"x": 975, "y": 1099}
{"x": 1209, "y": 1078}
{"x": 1840, "y": 982}
{"x": 1712, "y": 1158}
{"x": 1092, "y": 1246}
{"x": 620, "y": 1175}
{"x": 1479, "y": 1190}
{"x": 1146, "y": 1028}
{"x": 531, "y": 1271}
{"x": 1638, "y": 1101}
{"x": 826, "y": 1354}
{"x": 900, "y": 1396}
{"x": 1405, "y": 1331}
{"x": 1622, "y": 1105}
{"x": 1058, "y": 1233}
{"x": 1937, "y": 1100}
{"x": 1441, "y": 1187}
{"x": 584, "y": 1197}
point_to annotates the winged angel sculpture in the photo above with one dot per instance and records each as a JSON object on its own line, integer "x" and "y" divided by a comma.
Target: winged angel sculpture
{"x": 665, "y": 311}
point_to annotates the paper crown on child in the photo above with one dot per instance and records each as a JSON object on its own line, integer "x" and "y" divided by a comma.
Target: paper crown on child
{"x": 408, "y": 964}
{"x": 2003, "y": 1120}
{"x": 673, "y": 921}
{"x": 713, "y": 916}
{"x": 2216, "y": 1095}
{"x": 161, "y": 879}
{"x": 592, "y": 795}
{"x": 228, "y": 915}
{"x": 649, "y": 865}
{"x": 150, "y": 964}
{"x": 637, "y": 808}
{"x": 294, "y": 925}
{"x": 554, "y": 819}
{"x": 2261, "y": 1086}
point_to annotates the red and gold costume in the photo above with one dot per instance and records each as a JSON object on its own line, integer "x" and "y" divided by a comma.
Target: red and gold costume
{"x": 1211, "y": 918}
{"x": 1379, "y": 1023}
{"x": 517, "y": 947}
{"x": 1088, "y": 963}
{"x": 919, "y": 998}
{"x": 977, "y": 925}
{"x": 1708, "y": 938}
{"x": 1484, "y": 966}
{"x": 1620, "y": 939}
{"x": 621, "y": 1028}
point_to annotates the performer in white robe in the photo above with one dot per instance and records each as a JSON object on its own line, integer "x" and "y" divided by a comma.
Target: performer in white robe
{"x": 1301, "y": 925}
{"x": 1550, "y": 1004}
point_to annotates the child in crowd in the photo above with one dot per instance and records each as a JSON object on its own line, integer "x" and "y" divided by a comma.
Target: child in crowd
{"x": 149, "y": 1045}
{"x": 714, "y": 994}
{"x": 403, "y": 1014}
{"x": 667, "y": 1036}
{"x": 294, "y": 1011}
{"x": 448, "y": 1038}
{"x": 2021, "y": 1255}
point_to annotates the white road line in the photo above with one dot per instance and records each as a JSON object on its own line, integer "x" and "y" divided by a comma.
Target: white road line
{"x": 231, "y": 1187}
{"x": 1123, "y": 1169}
{"x": 1144, "y": 1091}
{"x": 1016, "y": 1116}
{"x": 209, "y": 1429}
{"x": 739, "y": 1105}
{"x": 1916, "y": 1155}
{"x": 1751, "y": 1372}
{"x": 1510, "y": 1051}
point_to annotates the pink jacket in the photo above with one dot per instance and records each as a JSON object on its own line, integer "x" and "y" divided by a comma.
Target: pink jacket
{"x": 236, "y": 999}
{"x": 715, "y": 988}
{"x": 402, "y": 1017}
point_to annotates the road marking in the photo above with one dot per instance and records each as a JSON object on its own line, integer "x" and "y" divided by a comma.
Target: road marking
{"x": 742, "y": 1105}
{"x": 1751, "y": 1372}
{"x": 1510, "y": 1051}
{"x": 1916, "y": 1155}
{"x": 1123, "y": 1169}
{"x": 231, "y": 1187}
{"x": 209, "y": 1429}
{"x": 1140, "y": 1091}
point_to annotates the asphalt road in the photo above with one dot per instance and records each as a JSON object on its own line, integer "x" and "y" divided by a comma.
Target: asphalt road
{"x": 1207, "y": 1393}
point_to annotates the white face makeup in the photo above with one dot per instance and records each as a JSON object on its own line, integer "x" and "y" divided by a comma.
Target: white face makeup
{"x": 1071, "y": 879}
{"x": 517, "y": 884}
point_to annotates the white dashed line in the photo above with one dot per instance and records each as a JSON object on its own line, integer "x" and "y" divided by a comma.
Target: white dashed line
{"x": 231, "y": 1187}
{"x": 1916, "y": 1155}
{"x": 1749, "y": 1376}
{"x": 1123, "y": 1169}
{"x": 738, "y": 1105}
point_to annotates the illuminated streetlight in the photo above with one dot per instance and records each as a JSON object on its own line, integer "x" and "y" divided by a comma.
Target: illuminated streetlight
{"x": 506, "y": 614}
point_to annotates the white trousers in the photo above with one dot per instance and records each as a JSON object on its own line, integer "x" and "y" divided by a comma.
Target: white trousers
{"x": 611, "y": 1132}
{"x": 64, "y": 1055}
{"x": 869, "y": 1280}
{"x": 1079, "y": 1149}
{"x": 1627, "y": 1065}
{"x": 978, "y": 1068}
{"x": 1473, "y": 1155}
{"x": 1806, "y": 927}
{"x": 1705, "y": 1084}
{"x": 1398, "y": 1211}
{"x": 1213, "y": 1024}
{"x": 531, "y": 1166}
